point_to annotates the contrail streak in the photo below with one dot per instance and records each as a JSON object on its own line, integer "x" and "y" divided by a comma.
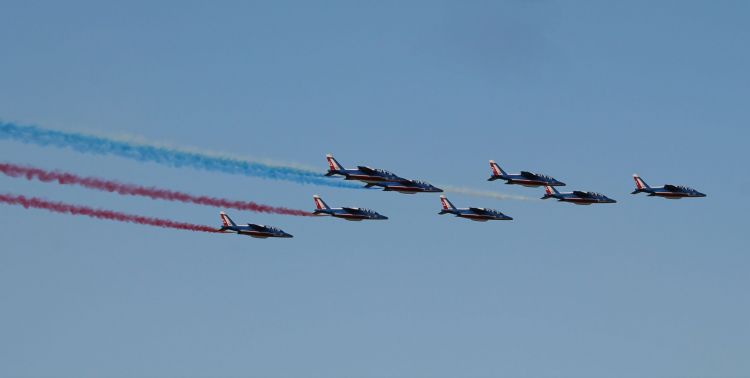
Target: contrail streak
{"x": 174, "y": 157}
{"x": 64, "y": 208}
{"x": 65, "y": 178}
{"x": 483, "y": 193}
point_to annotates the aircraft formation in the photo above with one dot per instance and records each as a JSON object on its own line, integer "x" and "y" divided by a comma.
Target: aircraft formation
{"x": 389, "y": 181}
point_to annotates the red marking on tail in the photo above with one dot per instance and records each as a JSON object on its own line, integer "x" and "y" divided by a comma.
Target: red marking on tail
{"x": 332, "y": 164}
{"x": 64, "y": 208}
{"x": 445, "y": 204}
{"x": 319, "y": 204}
{"x": 638, "y": 182}
{"x": 495, "y": 171}
{"x": 136, "y": 190}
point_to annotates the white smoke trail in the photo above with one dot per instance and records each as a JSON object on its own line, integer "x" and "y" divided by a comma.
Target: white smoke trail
{"x": 483, "y": 193}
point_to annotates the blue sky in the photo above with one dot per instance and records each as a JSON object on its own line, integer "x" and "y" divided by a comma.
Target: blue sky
{"x": 589, "y": 92}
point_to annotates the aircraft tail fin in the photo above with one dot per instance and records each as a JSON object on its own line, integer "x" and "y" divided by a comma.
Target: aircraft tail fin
{"x": 447, "y": 205}
{"x": 640, "y": 185}
{"x": 549, "y": 192}
{"x": 320, "y": 204}
{"x": 333, "y": 165}
{"x": 496, "y": 171}
{"x": 226, "y": 220}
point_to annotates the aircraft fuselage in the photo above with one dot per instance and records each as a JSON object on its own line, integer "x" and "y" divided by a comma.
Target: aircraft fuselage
{"x": 669, "y": 194}
{"x": 526, "y": 180}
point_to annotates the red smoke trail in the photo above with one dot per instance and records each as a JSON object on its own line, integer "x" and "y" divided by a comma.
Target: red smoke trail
{"x": 31, "y": 173}
{"x": 65, "y": 208}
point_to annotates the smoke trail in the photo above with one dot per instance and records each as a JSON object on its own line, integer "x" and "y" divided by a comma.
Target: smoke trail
{"x": 483, "y": 193}
{"x": 64, "y": 178}
{"x": 59, "y": 207}
{"x": 174, "y": 157}
{"x": 186, "y": 157}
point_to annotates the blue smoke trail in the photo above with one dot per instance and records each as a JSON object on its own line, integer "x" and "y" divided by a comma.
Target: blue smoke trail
{"x": 162, "y": 155}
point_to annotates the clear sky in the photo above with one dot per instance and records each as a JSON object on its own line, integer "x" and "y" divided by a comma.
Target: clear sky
{"x": 587, "y": 91}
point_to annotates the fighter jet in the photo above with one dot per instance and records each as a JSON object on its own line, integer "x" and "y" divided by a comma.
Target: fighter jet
{"x": 365, "y": 174}
{"x": 524, "y": 178}
{"x": 406, "y": 187}
{"x": 348, "y": 213}
{"x": 577, "y": 197}
{"x": 252, "y": 230}
{"x": 478, "y": 214}
{"x": 667, "y": 191}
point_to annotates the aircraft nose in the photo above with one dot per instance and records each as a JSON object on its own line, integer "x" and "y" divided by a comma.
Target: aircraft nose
{"x": 383, "y": 217}
{"x": 701, "y": 194}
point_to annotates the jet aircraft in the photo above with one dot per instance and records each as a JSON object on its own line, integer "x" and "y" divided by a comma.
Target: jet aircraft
{"x": 667, "y": 191}
{"x": 478, "y": 214}
{"x": 577, "y": 197}
{"x": 524, "y": 178}
{"x": 362, "y": 173}
{"x": 406, "y": 187}
{"x": 252, "y": 230}
{"x": 348, "y": 213}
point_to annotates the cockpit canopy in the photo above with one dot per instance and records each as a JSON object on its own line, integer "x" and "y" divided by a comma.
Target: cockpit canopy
{"x": 680, "y": 188}
{"x": 421, "y": 183}
{"x": 590, "y": 194}
{"x": 384, "y": 172}
{"x": 533, "y": 175}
